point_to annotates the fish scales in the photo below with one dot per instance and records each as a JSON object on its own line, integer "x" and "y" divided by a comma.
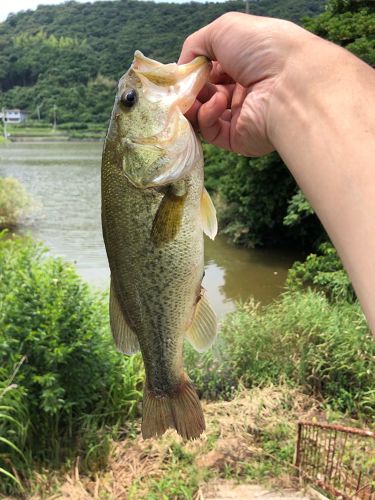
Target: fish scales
{"x": 152, "y": 229}
{"x": 150, "y": 279}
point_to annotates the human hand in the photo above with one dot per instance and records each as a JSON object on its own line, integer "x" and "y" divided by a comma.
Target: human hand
{"x": 251, "y": 57}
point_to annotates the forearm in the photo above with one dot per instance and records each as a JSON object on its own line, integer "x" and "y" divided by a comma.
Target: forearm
{"x": 323, "y": 126}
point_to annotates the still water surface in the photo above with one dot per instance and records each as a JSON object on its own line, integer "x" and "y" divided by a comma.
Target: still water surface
{"x": 65, "y": 179}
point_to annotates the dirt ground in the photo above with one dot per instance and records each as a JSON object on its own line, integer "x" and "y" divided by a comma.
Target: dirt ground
{"x": 227, "y": 490}
{"x": 230, "y": 442}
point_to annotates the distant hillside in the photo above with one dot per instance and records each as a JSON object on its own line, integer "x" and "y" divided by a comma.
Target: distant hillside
{"x": 71, "y": 55}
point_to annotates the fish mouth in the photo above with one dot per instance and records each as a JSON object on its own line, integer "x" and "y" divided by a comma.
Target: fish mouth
{"x": 178, "y": 84}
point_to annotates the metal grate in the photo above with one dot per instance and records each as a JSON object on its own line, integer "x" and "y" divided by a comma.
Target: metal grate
{"x": 340, "y": 460}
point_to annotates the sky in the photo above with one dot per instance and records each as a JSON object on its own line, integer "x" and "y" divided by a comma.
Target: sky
{"x": 14, "y": 6}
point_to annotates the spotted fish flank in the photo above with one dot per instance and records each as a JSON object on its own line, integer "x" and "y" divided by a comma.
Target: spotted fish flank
{"x": 154, "y": 211}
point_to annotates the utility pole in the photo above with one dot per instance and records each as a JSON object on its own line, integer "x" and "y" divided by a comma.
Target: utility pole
{"x": 4, "y": 124}
{"x": 54, "y": 117}
{"x": 247, "y": 7}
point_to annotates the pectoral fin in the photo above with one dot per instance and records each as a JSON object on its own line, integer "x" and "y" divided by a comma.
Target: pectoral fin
{"x": 168, "y": 219}
{"x": 124, "y": 337}
{"x": 208, "y": 215}
{"x": 203, "y": 330}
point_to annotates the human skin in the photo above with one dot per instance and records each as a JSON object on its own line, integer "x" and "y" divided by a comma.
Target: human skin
{"x": 275, "y": 86}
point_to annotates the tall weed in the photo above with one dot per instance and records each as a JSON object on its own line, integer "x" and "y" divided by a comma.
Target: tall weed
{"x": 302, "y": 339}
{"x": 14, "y": 462}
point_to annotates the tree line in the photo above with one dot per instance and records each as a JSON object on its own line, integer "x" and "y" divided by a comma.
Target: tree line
{"x": 72, "y": 55}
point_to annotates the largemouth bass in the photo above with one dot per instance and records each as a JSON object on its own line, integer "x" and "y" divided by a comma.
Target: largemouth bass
{"x": 154, "y": 212}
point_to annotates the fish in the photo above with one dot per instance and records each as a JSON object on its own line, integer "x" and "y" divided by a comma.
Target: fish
{"x": 155, "y": 210}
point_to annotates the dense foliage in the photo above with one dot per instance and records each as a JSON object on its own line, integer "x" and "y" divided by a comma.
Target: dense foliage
{"x": 349, "y": 23}
{"x": 258, "y": 201}
{"x": 65, "y": 56}
{"x": 71, "y": 382}
{"x": 71, "y": 55}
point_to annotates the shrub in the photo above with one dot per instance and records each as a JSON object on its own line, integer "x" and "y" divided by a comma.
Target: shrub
{"x": 322, "y": 271}
{"x": 73, "y": 383}
{"x": 15, "y": 203}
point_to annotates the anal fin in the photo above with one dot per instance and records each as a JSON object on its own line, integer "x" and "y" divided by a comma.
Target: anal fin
{"x": 124, "y": 337}
{"x": 203, "y": 329}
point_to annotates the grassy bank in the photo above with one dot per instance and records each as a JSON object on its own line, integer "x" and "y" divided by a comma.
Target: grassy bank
{"x": 67, "y": 131}
{"x": 66, "y": 394}
{"x": 302, "y": 339}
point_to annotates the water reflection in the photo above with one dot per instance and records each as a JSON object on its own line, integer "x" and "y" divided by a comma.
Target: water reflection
{"x": 65, "y": 178}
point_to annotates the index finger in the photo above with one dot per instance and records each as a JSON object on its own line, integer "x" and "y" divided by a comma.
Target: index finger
{"x": 198, "y": 44}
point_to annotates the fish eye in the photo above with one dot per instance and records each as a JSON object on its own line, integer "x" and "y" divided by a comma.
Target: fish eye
{"x": 129, "y": 98}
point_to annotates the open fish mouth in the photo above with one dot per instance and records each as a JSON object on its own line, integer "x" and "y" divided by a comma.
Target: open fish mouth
{"x": 178, "y": 84}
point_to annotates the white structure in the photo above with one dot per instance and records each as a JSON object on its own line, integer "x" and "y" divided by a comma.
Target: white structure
{"x": 13, "y": 115}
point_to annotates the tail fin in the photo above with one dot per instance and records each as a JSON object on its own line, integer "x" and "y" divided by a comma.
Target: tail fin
{"x": 181, "y": 411}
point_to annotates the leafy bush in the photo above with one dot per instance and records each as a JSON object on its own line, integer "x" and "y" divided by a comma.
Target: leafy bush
{"x": 322, "y": 271}
{"x": 73, "y": 382}
{"x": 16, "y": 204}
{"x": 302, "y": 339}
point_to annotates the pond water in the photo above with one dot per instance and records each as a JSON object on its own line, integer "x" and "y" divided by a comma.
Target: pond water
{"x": 65, "y": 179}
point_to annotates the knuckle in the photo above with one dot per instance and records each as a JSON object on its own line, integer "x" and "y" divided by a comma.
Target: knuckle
{"x": 188, "y": 41}
{"x": 229, "y": 17}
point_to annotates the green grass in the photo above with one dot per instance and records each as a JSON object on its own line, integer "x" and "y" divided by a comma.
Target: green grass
{"x": 71, "y": 130}
{"x": 15, "y": 131}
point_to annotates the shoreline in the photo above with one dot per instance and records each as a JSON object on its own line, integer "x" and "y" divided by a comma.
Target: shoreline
{"x": 47, "y": 139}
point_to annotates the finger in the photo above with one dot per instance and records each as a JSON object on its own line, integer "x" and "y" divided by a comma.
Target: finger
{"x": 209, "y": 90}
{"x": 218, "y": 75}
{"x": 192, "y": 113}
{"x": 212, "y": 127}
{"x": 238, "y": 97}
{"x": 227, "y": 115}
